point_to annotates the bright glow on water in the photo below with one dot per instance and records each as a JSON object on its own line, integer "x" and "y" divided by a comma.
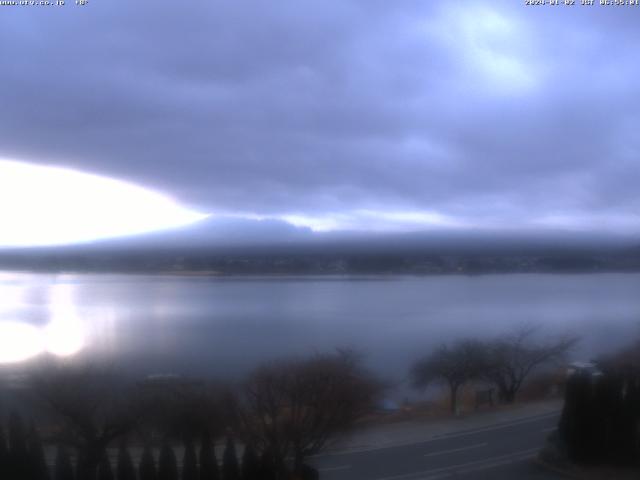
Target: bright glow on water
{"x": 28, "y": 328}
{"x": 19, "y": 341}
{"x": 64, "y": 334}
{"x": 42, "y": 205}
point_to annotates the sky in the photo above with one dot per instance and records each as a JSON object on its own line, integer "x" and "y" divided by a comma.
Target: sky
{"x": 329, "y": 116}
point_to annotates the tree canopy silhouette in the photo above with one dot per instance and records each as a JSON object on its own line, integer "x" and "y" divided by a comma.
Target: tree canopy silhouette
{"x": 292, "y": 408}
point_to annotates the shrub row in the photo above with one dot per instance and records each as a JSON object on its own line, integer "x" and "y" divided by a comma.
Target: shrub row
{"x": 22, "y": 457}
{"x": 600, "y": 423}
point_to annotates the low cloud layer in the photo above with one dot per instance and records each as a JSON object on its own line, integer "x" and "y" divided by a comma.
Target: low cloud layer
{"x": 338, "y": 115}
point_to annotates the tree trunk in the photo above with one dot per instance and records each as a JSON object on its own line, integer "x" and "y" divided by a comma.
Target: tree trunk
{"x": 509, "y": 396}
{"x": 88, "y": 461}
{"x": 454, "y": 399}
{"x": 506, "y": 394}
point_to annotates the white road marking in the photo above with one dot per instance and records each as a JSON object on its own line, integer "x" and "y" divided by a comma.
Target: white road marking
{"x": 466, "y": 467}
{"x": 333, "y": 469}
{"x": 453, "y": 450}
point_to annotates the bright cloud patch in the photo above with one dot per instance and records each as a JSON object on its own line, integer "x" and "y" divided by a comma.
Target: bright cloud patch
{"x": 490, "y": 44}
{"x": 55, "y": 206}
{"x": 374, "y": 220}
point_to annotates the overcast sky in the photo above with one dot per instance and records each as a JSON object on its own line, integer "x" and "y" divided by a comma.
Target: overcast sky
{"x": 338, "y": 115}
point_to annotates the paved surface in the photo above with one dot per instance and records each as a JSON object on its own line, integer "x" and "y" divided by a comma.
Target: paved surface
{"x": 482, "y": 450}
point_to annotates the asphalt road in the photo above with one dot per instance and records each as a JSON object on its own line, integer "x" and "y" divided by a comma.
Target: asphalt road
{"x": 501, "y": 451}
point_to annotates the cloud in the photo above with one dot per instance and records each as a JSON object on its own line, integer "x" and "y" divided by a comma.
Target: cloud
{"x": 337, "y": 115}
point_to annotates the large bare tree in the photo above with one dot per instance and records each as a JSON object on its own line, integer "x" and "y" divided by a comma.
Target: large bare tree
{"x": 292, "y": 409}
{"x": 511, "y": 358}
{"x": 454, "y": 365}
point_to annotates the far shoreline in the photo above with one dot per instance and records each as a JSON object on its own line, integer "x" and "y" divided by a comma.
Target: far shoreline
{"x": 309, "y": 275}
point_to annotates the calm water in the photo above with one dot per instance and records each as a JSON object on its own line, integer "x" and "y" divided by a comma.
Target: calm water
{"x": 225, "y": 326}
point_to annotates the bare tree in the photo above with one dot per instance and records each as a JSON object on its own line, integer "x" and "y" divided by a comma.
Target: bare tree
{"x": 452, "y": 365}
{"x": 293, "y": 408}
{"x": 92, "y": 407}
{"x": 511, "y": 359}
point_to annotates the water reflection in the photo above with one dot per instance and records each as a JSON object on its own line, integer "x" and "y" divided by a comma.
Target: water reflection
{"x": 64, "y": 334}
{"x": 225, "y": 326}
{"x": 38, "y": 317}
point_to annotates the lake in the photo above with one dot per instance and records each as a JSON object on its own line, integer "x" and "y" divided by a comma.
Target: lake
{"x": 225, "y": 326}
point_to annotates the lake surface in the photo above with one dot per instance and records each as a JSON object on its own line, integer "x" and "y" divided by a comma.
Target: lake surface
{"x": 224, "y": 326}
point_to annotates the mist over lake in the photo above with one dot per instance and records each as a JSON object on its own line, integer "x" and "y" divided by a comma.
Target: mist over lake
{"x": 225, "y": 326}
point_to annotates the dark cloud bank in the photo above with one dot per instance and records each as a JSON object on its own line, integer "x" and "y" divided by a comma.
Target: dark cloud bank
{"x": 347, "y": 116}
